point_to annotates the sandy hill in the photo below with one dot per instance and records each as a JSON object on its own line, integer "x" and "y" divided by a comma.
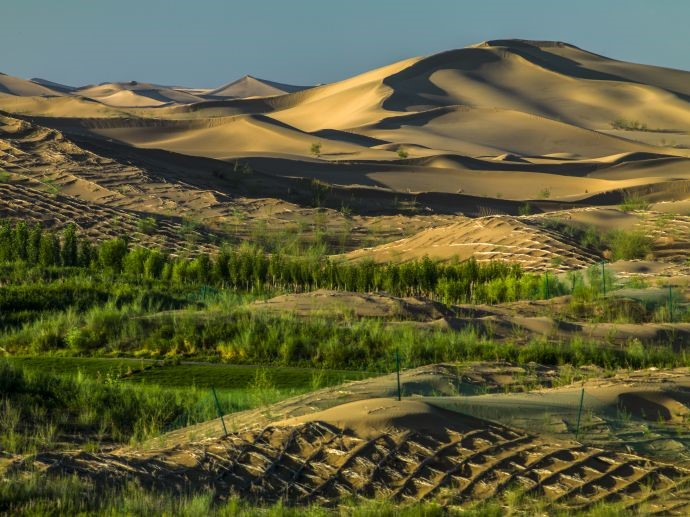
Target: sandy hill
{"x": 135, "y": 94}
{"x": 71, "y": 107}
{"x": 53, "y": 85}
{"x": 249, "y": 86}
{"x": 543, "y": 83}
{"x": 486, "y": 238}
{"x": 21, "y": 87}
{"x": 558, "y": 111}
{"x": 219, "y": 137}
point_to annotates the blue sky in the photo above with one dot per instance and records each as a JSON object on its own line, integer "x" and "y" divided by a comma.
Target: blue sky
{"x": 210, "y": 42}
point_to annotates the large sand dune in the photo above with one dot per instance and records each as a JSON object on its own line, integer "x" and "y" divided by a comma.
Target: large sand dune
{"x": 511, "y": 103}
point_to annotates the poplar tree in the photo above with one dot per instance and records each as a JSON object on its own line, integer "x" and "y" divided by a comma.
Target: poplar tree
{"x": 34, "y": 245}
{"x": 69, "y": 246}
{"x": 20, "y": 240}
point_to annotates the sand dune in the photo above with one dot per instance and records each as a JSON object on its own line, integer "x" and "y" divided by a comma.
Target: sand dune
{"x": 549, "y": 134}
{"x": 220, "y": 138}
{"x": 21, "y": 87}
{"x": 53, "y": 85}
{"x": 486, "y": 238}
{"x": 71, "y": 107}
{"x": 541, "y": 84}
{"x": 136, "y": 94}
{"x": 249, "y": 86}
{"x": 492, "y": 131}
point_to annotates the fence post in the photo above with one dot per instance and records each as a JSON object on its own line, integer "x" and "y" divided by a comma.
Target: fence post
{"x": 546, "y": 275}
{"x": 220, "y": 412}
{"x": 670, "y": 303}
{"x": 397, "y": 368}
{"x": 603, "y": 276}
{"x": 579, "y": 414}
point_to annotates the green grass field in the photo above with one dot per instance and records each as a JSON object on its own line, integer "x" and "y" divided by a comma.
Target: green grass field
{"x": 199, "y": 375}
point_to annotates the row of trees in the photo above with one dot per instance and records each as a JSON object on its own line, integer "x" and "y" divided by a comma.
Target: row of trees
{"x": 30, "y": 244}
{"x": 250, "y": 268}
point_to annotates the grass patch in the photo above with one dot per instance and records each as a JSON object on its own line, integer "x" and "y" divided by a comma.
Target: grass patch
{"x": 181, "y": 375}
{"x": 629, "y": 245}
{"x": 42, "y": 410}
{"x": 37, "y": 494}
{"x": 90, "y": 367}
{"x": 629, "y": 125}
{"x": 634, "y": 201}
{"x": 614, "y": 245}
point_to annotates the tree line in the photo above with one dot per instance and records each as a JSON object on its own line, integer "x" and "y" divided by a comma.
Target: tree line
{"x": 249, "y": 268}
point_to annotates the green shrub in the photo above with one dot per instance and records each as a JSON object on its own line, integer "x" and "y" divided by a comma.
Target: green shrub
{"x": 632, "y": 202}
{"x": 628, "y": 125}
{"x": 112, "y": 254}
{"x": 147, "y": 225}
{"x": 525, "y": 209}
{"x": 629, "y": 245}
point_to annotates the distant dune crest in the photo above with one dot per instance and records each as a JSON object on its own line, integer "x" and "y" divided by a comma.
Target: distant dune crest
{"x": 249, "y": 86}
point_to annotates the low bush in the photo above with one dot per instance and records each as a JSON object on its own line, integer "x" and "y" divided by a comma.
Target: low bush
{"x": 629, "y": 245}
{"x": 634, "y": 201}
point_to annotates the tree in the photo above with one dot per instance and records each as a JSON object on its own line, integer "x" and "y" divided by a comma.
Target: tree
{"x": 49, "y": 251}
{"x": 221, "y": 271}
{"x": 402, "y": 153}
{"x": 69, "y": 246}
{"x": 6, "y": 254}
{"x": 20, "y": 238}
{"x": 112, "y": 253}
{"x": 200, "y": 269}
{"x": 316, "y": 149}
{"x": 154, "y": 265}
{"x": 33, "y": 247}
{"x": 85, "y": 254}
{"x": 180, "y": 271}
{"x": 134, "y": 262}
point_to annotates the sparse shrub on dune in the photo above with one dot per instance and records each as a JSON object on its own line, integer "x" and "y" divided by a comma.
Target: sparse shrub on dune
{"x": 525, "y": 209}
{"x": 613, "y": 245}
{"x": 544, "y": 193}
{"x": 629, "y": 245}
{"x": 147, "y": 225}
{"x": 628, "y": 125}
{"x": 634, "y": 201}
